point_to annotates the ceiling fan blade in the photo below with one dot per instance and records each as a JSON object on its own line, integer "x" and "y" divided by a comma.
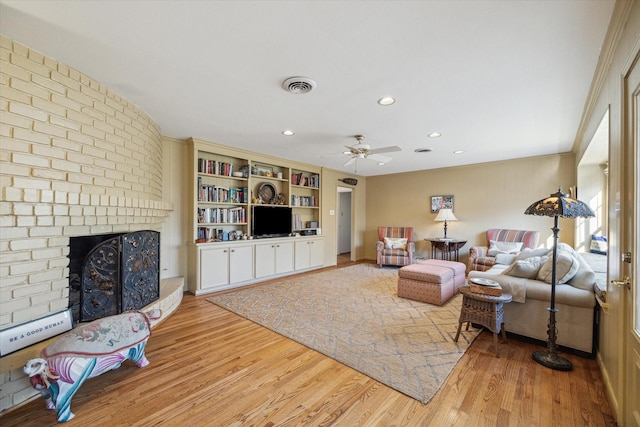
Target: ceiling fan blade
{"x": 379, "y": 158}
{"x": 350, "y": 161}
{"x": 385, "y": 150}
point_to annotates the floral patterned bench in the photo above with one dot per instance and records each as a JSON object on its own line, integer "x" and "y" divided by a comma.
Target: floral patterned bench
{"x": 87, "y": 351}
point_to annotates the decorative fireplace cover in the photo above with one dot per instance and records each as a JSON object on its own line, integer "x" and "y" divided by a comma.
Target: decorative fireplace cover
{"x": 122, "y": 273}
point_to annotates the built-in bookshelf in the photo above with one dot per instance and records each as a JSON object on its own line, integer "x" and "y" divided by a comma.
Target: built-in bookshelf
{"x": 227, "y": 182}
{"x": 221, "y": 196}
{"x": 305, "y": 200}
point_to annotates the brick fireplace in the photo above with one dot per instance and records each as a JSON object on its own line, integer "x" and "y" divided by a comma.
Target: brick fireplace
{"x": 76, "y": 159}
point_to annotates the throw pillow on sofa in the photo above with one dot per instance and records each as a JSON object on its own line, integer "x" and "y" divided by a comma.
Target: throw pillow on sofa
{"x": 526, "y": 268}
{"x": 528, "y": 253}
{"x": 599, "y": 244}
{"x": 395, "y": 243}
{"x": 496, "y": 248}
{"x": 566, "y": 265}
{"x": 505, "y": 259}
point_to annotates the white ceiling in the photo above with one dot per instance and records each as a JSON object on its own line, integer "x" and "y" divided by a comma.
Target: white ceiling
{"x": 498, "y": 79}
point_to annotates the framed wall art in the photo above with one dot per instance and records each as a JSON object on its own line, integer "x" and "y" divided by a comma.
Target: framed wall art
{"x": 440, "y": 202}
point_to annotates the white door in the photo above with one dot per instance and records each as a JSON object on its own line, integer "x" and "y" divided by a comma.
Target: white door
{"x": 240, "y": 263}
{"x": 629, "y": 245}
{"x": 302, "y": 255}
{"x": 316, "y": 253}
{"x": 265, "y": 259}
{"x": 284, "y": 257}
{"x": 214, "y": 267}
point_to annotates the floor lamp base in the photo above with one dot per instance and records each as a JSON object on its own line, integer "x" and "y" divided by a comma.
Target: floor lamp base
{"x": 552, "y": 360}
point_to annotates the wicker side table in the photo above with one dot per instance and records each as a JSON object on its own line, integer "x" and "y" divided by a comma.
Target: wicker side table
{"x": 485, "y": 310}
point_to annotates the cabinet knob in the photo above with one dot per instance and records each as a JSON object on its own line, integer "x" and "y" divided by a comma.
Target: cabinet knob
{"x": 233, "y": 250}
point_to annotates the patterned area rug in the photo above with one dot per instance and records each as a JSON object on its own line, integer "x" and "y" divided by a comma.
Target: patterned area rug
{"x": 354, "y": 316}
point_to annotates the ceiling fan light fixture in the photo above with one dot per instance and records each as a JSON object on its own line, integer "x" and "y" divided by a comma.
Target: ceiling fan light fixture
{"x": 299, "y": 85}
{"x": 387, "y": 100}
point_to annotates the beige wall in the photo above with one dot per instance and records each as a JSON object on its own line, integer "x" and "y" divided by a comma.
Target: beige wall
{"x": 621, "y": 48}
{"x": 489, "y": 195}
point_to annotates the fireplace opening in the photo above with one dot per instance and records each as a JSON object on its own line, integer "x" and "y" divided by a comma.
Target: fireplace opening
{"x": 113, "y": 273}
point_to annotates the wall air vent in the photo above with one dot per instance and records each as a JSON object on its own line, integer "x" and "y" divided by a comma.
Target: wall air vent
{"x": 299, "y": 85}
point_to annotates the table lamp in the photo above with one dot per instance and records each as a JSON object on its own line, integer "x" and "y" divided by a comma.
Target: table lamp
{"x": 445, "y": 215}
{"x": 556, "y": 205}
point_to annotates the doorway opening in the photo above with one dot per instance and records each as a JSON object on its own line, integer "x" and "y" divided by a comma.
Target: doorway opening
{"x": 344, "y": 229}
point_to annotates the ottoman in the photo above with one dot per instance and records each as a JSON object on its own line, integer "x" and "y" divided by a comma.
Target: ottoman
{"x": 432, "y": 281}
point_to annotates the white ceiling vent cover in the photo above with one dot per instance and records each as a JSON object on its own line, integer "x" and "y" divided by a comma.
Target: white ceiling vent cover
{"x": 299, "y": 85}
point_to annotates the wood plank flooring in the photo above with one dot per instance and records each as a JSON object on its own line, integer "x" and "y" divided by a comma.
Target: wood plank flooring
{"x": 210, "y": 367}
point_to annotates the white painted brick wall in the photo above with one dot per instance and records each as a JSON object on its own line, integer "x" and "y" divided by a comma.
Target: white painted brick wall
{"x": 75, "y": 159}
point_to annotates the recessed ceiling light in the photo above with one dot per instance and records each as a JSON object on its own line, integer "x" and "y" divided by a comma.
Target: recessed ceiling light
{"x": 288, "y": 132}
{"x": 380, "y": 163}
{"x": 458, "y": 152}
{"x": 434, "y": 134}
{"x": 387, "y": 100}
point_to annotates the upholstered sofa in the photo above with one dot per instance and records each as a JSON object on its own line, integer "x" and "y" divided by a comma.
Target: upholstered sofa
{"x": 524, "y": 278}
{"x": 482, "y": 258}
{"x": 394, "y": 246}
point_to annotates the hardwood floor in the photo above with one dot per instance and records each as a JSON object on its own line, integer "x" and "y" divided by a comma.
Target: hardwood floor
{"x": 210, "y": 367}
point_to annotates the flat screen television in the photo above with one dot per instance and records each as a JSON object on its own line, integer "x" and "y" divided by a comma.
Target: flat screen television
{"x": 271, "y": 221}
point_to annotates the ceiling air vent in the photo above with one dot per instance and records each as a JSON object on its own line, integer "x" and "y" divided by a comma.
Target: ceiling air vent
{"x": 423, "y": 150}
{"x": 299, "y": 85}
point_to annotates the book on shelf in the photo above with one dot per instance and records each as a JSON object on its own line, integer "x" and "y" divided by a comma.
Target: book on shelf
{"x": 300, "y": 179}
{"x": 215, "y": 167}
{"x": 304, "y": 201}
{"x": 216, "y": 193}
{"x": 222, "y": 215}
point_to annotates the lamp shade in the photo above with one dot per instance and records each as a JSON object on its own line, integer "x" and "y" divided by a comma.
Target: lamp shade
{"x": 446, "y": 214}
{"x": 561, "y": 205}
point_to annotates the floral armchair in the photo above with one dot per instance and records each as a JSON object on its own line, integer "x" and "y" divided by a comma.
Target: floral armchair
{"x": 501, "y": 242}
{"x": 394, "y": 246}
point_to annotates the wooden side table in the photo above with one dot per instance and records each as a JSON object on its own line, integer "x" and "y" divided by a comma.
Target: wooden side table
{"x": 485, "y": 310}
{"x": 447, "y": 248}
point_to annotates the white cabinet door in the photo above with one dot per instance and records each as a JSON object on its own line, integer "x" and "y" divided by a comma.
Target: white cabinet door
{"x": 309, "y": 253}
{"x": 265, "y": 259}
{"x": 316, "y": 252}
{"x": 302, "y": 254}
{"x": 284, "y": 257}
{"x": 240, "y": 263}
{"x": 214, "y": 267}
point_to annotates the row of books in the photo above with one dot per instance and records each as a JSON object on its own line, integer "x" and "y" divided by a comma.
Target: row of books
{"x": 215, "y": 167}
{"x": 221, "y": 215}
{"x": 214, "y": 234}
{"x": 296, "y": 223}
{"x": 216, "y": 193}
{"x": 304, "y": 201}
{"x": 306, "y": 181}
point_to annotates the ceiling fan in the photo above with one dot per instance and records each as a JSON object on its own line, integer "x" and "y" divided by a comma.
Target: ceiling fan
{"x": 364, "y": 151}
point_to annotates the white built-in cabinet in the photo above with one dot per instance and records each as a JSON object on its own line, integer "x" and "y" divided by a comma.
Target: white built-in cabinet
{"x": 225, "y": 183}
{"x": 220, "y": 266}
{"x": 275, "y": 257}
{"x": 309, "y": 253}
